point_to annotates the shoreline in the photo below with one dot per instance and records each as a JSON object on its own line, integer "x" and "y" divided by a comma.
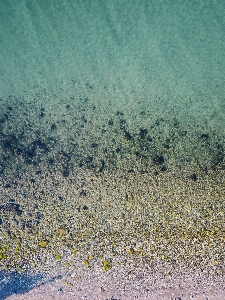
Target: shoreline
{"x": 125, "y": 195}
{"x": 103, "y": 288}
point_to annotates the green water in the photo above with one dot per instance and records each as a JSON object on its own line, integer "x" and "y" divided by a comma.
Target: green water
{"x": 161, "y": 46}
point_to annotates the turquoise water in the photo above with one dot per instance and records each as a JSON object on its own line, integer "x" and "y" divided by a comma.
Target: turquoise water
{"x": 163, "y": 47}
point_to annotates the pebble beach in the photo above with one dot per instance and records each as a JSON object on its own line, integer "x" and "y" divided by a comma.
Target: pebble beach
{"x": 112, "y": 185}
{"x": 133, "y": 203}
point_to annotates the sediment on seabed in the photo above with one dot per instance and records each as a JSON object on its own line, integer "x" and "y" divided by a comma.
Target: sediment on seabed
{"x": 133, "y": 195}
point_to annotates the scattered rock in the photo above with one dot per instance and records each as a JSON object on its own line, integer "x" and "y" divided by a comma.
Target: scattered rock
{"x": 53, "y": 127}
{"x": 119, "y": 113}
{"x": 83, "y": 193}
{"x": 11, "y": 207}
{"x": 164, "y": 168}
{"x": 43, "y": 244}
{"x": 65, "y": 172}
{"x": 94, "y": 145}
{"x": 39, "y": 144}
{"x": 158, "y": 160}
{"x": 122, "y": 124}
{"x": 64, "y": 156}
{"x": 142, "y": 133}
{"x": 205, "y": 136}
{"x": 100, "y": 166}
{"x": 29, "y": 226}
{"x": 127, "y": 135}
{"x": 10, "y": 142}
{"x": 194, "y": 177}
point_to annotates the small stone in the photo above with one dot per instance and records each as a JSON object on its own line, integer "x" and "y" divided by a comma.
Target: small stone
{"x": 107, "y": 268}
{"x": 100, "y": 166}
{"x": 107, "y": 265}
{"x": 94, "y": 145}
{"x": 127, "y": 135}
{"x": 164, "y": 168}
{"x": 142, "y": 133}
{"x": 194, "y": 177}
{"x": 15, "y": 221}
{"x": 53, "y": 127}
{"x": 58, "y": 256}
{"x": 205, "y": 136}
{"x": 43, "y": 244}
{"x": 62, "y": 231}
{"x": 82, "y": 193}
{"x": 65, "y": 172}
{"x": 86, "y": 262}
{"x": 63, "y": 156}
{"x": 101, "y": 290}
{"x": 11, "y": 207}
{"x": 131, "y": 251}
{"x": 158, "y": 160}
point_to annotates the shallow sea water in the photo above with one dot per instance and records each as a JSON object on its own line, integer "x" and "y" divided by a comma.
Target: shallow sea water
{"x": 111, "y": 139}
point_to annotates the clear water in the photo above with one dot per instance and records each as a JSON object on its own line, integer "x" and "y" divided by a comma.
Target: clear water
{"x": 105, "y": 88}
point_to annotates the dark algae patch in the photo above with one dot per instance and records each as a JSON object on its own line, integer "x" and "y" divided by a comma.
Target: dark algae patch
{"x": 163, "y": 143}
